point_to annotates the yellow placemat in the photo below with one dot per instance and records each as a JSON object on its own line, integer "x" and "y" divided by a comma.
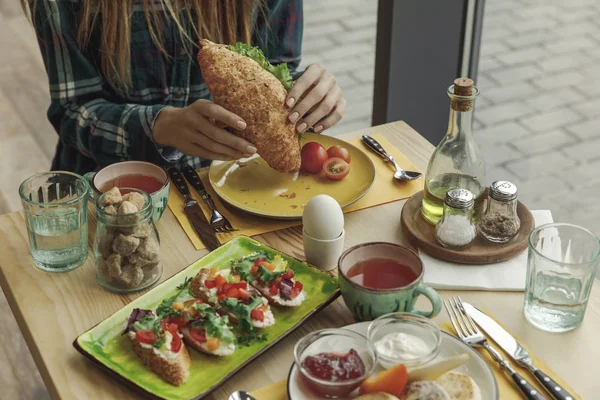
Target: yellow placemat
{"x": 384, "y": 190}
{"x": 278, "y": 390}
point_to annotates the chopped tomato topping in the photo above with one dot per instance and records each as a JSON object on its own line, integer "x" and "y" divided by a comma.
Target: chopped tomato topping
{"x": 233, "y": 293}
{"x": 289, "y": 274}
{"x": 193, "y": 301}
{"x": 210, "y": 284}
{"x": 240, "y": 285}
{"x": 221, "y": 297}
{"x": 145, "y": 336}
{"x": 258, "y": 262}
{"x": 254, "y": 269}
{"x": 273, "y": 290}
{"x": 225, "y": 288}
{"x": 199, "y": 335}
{"x": 296, "y": 290}
{"x": 178, "y": 306}
{"x": 175, "y": 343}
{"x": 167, "y": 322}
{"x": 257, "y": 315}
{"x": 220, "y": 281}
{"x": 245, "y": 294}
{"x": 278, "y": 281}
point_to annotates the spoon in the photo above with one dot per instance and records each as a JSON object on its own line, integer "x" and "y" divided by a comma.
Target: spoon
{"x": 400, "y": 174}
{"x": 240, "y": 395}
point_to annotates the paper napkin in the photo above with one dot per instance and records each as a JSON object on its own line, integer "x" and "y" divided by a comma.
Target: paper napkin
{"x": 503, "y": 276}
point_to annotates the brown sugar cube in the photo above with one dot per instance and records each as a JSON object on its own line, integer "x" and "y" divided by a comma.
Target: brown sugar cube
{"x": 110, "y": 209}
{"x": 105, "y": 244}
{"x": 113, "y": 265}
{"x": 131, "y": 276}
{"x": 125, "y": 209}
{"x": 112, "y": 197}
{"x": 138, "y": 231}
{"x": 125, "y": 245}
{"x": 149, "y": 249}
{"x": 103, "y": 270}
{"x": 136, "y": 199}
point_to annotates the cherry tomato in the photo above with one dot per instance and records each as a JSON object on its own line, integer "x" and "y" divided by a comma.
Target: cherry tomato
{"x": 336, "y": 168}
{"x": 339, "y": 151}
{"x": 225, "y": 288}
{"x": 210, "y": 284}
{"x": 273, "y": 290}
{"x": 313, "y": 157}
{"x": 175, "y": 343}
{"x": 239, "y": 285}
{"x": 199, "y": 335}
{"x": 166, "y": 323}
{"x": 257, "y": 315}
{"x": 254, "y": 269}
{"x": 145, "y": 336}
{"x": 234, "y": 293}
{"x": 289, "y": 274}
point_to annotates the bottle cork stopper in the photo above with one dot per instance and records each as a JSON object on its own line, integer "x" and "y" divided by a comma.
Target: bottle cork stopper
{"x": 463, "y": 87}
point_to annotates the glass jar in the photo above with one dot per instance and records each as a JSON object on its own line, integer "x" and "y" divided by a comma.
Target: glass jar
{"x": 456, "y": 229}
{"x": 126, "y": 246}
{"x": 500, "y": 223}
{"x": 457, "y": 161}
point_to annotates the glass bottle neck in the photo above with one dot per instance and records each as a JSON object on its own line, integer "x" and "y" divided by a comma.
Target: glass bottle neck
{"x": 460, "y": 123}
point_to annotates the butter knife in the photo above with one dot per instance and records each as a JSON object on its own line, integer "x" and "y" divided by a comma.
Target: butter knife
{"x": 510, "y": 345}
{"x": 194, "y": 212}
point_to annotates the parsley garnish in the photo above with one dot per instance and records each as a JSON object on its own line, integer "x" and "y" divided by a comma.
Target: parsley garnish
{"x": 248, "y": 338}
{"x": 185, "y": 283}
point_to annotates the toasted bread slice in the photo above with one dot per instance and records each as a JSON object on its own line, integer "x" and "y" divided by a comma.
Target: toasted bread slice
{"x": 295, "y": 302}
{"x": 174, "y": 370}
{"x": 459, "y": 386}
{"x": 240, "y": 85}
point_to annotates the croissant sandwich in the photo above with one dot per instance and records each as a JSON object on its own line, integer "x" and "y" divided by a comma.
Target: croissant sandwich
{"x": 241, "y": 80}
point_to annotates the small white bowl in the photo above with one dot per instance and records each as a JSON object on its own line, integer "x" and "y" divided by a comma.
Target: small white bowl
{"x": 323, "y": 254}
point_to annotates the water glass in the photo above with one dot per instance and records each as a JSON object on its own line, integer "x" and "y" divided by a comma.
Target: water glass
{"x": 560, "y": 273}
{"x": 55, "y": 205}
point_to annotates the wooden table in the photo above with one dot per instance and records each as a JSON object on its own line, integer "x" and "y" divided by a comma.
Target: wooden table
{"x": 52, "y": 309}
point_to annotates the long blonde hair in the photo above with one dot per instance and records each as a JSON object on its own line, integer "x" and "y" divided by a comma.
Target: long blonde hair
{"x": 221, "y": 21}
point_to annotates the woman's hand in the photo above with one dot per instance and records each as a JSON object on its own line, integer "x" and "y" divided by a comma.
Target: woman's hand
{"x": 316, "y": 100}
{"x": 191, "y": 131}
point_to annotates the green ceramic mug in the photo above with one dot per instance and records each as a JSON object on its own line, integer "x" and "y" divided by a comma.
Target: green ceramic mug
{"x": 367, "y": 302}
{"x": 110, "y": 175}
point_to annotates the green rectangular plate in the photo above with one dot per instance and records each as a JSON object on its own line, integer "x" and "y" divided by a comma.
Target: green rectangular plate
{"x": 104, "y": 344}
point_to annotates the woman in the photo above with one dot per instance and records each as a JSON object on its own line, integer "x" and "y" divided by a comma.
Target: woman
{"x": 125, "y": 84}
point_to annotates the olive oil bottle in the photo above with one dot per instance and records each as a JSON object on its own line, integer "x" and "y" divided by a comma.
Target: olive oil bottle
{"x": 457, "y": 161}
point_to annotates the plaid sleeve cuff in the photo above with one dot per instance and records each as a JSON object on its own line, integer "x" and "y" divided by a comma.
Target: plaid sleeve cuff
{"x": 169, "y": 154}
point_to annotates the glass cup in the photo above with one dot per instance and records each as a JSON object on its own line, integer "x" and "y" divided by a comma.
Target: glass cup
{"x": 55, "y": 205}
{"x": 561, "y": 268}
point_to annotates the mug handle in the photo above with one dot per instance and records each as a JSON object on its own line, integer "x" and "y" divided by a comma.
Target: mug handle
{"x": 434, "y": 298}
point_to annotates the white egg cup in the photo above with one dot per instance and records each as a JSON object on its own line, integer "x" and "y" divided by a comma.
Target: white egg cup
{"x": 323, "y": 254}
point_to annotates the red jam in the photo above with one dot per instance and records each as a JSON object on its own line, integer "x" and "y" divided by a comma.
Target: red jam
{"x": 335, "y": 367}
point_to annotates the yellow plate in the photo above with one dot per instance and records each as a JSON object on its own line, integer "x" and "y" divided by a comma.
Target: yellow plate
{"x": 258, "y": 189}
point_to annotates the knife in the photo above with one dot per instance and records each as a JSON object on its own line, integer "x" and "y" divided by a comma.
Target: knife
{"x": 510, "y": 345}
{"x": 194, "y": 179}
{"x": 194, "y": 212}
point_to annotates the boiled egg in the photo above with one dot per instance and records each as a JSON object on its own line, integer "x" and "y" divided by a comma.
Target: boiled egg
{"x": 323, "y": 218}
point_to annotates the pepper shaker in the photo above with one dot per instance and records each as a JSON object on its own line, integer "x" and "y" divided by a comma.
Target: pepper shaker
{"x": 500, "y": 222}
{"x": 456, "y": 229}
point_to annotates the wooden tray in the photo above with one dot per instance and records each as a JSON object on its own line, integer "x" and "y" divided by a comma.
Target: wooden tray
{"x": 422, "y": 235}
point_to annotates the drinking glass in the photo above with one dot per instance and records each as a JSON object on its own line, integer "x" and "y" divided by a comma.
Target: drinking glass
{"x": 561, "y": 268}
{"x": 55, "y": 205}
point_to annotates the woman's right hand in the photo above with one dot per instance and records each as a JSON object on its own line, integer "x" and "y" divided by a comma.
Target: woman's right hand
{"x": 190, "y": 130}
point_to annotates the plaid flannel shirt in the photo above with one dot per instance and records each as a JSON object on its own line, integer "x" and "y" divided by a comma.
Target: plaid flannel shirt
{"x": 98, "y": 126}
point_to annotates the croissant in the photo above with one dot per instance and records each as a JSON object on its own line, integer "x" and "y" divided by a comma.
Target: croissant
{"x": 241, "y": 85}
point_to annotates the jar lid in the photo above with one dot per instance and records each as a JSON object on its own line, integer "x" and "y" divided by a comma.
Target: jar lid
{"x": 459, "y": 198}
{"x": 503, "y": 191}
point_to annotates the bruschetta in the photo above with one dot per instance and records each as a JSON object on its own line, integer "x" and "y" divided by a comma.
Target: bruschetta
{"x": 271, "y": 277}
{"x": 241, "y": 302}
{"x": 159, "y": 346}
{"x": 202, "y": 328}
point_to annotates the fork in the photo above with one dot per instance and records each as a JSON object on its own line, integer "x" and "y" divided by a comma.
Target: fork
{"x": 470, "y": 335}
{"x": 218, "y": 222}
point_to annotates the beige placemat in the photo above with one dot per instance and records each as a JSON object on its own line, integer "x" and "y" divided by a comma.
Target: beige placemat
{"x": 507, "y": 391}
{"x": 384, "y": 190}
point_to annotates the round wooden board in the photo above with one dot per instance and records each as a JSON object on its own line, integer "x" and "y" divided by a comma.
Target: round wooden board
{"x": 422, "y": 235}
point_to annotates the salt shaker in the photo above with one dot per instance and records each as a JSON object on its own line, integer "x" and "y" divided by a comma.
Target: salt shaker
{"x": 500, "y": 222}
{"x": 323, "y": 232}
{"x": 456, "y": 229}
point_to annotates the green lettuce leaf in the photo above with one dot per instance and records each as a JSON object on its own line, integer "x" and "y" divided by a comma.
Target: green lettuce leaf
{"x": 268, "y": 276}
{"x": 280, "y": 71}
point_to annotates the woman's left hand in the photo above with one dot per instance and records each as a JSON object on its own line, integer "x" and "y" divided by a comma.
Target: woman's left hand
{"x": 321, "y": 104}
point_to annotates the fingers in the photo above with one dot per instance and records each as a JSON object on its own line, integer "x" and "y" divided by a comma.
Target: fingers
{"x": 333, "y": 118}
{"x": 213, "y": 146}
{"x": 226, "y": 139}
{"x": 304, "y": 83}
{"x": 314, "y": 97}
{"x": 324, "y": 108}
{"x": 218, "y": 113}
